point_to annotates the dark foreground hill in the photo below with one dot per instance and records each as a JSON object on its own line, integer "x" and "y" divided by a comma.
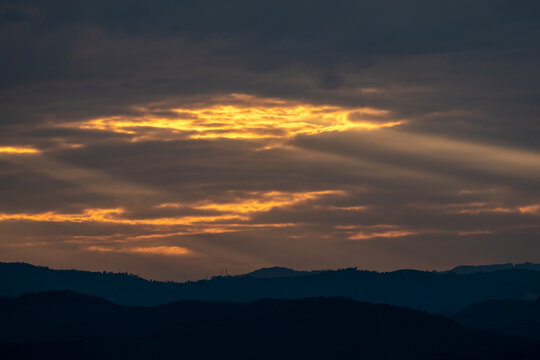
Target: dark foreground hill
{"x": 65, "y": 325}
{"x": 513, "y": 317}
{"x": 430, "y": 291}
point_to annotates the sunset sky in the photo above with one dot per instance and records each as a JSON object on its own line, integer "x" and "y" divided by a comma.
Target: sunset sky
{"x": 174, "y": 139}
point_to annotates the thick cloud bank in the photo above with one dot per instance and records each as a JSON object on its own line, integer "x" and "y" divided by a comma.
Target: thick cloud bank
{"x": 177, "y": 138}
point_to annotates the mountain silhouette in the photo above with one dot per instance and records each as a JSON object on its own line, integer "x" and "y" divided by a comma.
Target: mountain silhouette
{"x": 431, "y": 291}
{"x": 513, "y": 317}
{"x": 470, "y": 269}
{"x": 278, "y": 272}
{"x": 64, "y": 325}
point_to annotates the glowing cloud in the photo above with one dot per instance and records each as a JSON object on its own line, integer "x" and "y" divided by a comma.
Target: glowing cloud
{"x": 112, "y": 216}
{"x": 242, "y": 117}
{"x": 477, "y": 211}
{"x": 18, "y": 150}
{"x": 531, "y": 209}
{"x": 473, "y": 208}
{"x": 265, "y": 201}
{"x": 358, "y": 232}
{"x": 477, "y": 208}
{"x": 151, "y": 250}
{"x": 234, "y": 211}
{"x": 384, "y": 234}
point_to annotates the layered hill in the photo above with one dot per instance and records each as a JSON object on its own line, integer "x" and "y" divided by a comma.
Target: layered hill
{"x": 66, "y": 325}
{"x": 430, "y": 291}
{"x": 514, "y": 317}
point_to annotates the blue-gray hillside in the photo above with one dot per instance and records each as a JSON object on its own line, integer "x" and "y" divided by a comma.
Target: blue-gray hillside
{"x": 430, "y": 291}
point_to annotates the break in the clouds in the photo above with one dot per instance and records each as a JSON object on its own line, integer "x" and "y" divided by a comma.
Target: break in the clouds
{"x": 177, "y": 138}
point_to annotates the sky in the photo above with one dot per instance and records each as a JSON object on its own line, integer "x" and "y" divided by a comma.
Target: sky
{"x": 177, "y": 139}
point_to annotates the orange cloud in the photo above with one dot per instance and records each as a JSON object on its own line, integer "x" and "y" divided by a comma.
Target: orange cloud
{"x": 475, "y": 232}
{"x": 112, "y": 216}
{"x": 238, "y": 210}
{"x": 477, "y": 208}
{"x": 151, "y": 250}
{"x": 361, "y": 232}
{"x": 477, "y": 211}
{"x": 16, "y": 150}
{"x": 472, "y": 208}
{"x": 159, "y": 233}
{"x": 242, "y": 117}
{"x": 530, "y": 209}
{"x": 265, "y": 201}
{"x": 384, "y": 234}
{"x": 347, "y": 208}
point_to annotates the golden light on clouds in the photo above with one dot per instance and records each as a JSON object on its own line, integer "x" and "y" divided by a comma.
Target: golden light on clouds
{"x": 113, "y": 216}
{"x": 232, "y": 216}
{"x": 477, "y": 211}
{"x": 470, "y": 208}
{"x": 383, "y": 234}
{"x": 478, "y": 208}
{"x": 88, "y": 215}
{"x": 530, "y": 209}
{"x": 243, "y": 117}
{"x": 359, "y": 232}
{"x": 237, "y": 211}
{"x": 18, "y": 150}
{"x": 145, "y": 250}
{"x": 266, "y": 201}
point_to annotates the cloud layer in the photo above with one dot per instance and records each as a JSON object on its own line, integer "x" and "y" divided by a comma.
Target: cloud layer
{"x": 175, "y": 139}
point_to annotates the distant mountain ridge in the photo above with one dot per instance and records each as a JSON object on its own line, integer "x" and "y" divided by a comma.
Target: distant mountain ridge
{"x": 66, "y": 325}
{"x": 277, "y": 272}
{"x": 469, "y": 269}
{"x": 513, "y": 317}
{"x": 430, "y": 291}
